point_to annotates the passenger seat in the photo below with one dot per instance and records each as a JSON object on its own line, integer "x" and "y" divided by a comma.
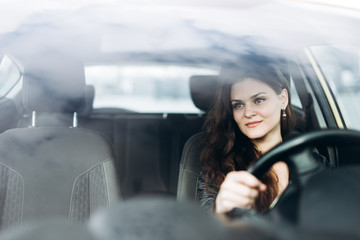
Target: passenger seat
{"x": 54, "y": 170}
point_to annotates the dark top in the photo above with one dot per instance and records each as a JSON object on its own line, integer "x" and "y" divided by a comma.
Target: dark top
{"x": 207, "y": 197}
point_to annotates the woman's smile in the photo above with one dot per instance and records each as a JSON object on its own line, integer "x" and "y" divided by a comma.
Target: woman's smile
{"x": 253, "y": 124}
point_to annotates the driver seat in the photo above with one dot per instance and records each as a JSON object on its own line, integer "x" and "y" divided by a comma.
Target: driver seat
{"x": 189, "y": 170}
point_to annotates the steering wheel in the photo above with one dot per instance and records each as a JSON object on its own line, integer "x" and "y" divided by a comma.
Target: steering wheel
{"x": 297, "y": 153}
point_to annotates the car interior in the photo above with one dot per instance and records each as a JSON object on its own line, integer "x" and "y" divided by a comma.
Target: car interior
{"x": 102, "y": 107}
{"x": 147, "y": 147}
{"x": 90, "y": 158}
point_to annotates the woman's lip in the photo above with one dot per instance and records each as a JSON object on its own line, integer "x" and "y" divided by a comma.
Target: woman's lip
{"x": 252, "y": 124}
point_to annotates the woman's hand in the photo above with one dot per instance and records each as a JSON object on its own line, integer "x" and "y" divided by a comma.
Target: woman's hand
{"x": 239, "y": 190}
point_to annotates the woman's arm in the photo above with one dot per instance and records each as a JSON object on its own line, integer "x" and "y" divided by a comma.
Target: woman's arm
{"x": 239, "y": 190}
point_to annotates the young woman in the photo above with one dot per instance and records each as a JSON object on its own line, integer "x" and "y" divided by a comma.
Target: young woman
{"x": 252, "y": 115}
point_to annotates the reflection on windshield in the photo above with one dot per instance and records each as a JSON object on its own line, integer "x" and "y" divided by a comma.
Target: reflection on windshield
{"x": 341, "y": 67}
{"x": 144, "y": 88}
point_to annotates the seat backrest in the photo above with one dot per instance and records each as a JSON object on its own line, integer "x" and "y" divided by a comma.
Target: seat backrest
{"x": 50, "y": 171}
{"x": 189, "y": 170}
{"x": 203, "y": 91}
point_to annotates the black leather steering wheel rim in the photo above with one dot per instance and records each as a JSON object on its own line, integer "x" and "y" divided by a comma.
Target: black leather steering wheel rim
{"x": 294, "y": 146}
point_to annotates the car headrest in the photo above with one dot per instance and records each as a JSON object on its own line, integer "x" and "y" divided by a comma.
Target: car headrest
{"x": 204, "y": 90}
{"x": 90, "y": 95}
{"x": 54, "y": 86}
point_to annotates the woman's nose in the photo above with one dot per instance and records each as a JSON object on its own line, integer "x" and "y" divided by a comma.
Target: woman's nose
{"x": 249, "y": 111}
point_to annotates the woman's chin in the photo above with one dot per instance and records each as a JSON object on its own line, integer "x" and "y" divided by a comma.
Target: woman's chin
{"x": 255, "y": 136}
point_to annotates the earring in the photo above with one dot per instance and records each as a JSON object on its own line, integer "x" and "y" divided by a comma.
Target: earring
{"x": 283, "y": 113}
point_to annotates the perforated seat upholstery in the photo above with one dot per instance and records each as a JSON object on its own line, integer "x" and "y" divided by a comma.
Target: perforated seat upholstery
{"x": 50, "y": 171}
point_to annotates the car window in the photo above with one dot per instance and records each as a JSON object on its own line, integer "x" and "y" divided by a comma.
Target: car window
{"x": 295, "y": 100}
{"x": 341, "y": 68}
{"x": 10, "y": 74}
{"x": 144, "y": 88}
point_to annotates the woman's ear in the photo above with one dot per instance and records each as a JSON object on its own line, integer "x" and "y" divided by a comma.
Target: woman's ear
{"x": 284, "y": 97}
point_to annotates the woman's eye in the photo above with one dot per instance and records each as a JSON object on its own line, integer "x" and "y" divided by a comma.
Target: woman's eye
{"x": 238, "y": 106}
{"x": 259, "y": 100}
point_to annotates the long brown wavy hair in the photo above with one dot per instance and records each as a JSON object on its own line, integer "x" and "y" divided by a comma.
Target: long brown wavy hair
{"x": 227, "y": 148}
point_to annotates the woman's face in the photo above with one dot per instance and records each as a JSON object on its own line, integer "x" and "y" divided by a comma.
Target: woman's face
{"x": 257, "y": 109}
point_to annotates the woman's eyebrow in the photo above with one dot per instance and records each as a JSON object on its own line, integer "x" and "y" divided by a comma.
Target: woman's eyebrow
{"x": 256, "y": 95}
{"x": 251, "y": 97}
